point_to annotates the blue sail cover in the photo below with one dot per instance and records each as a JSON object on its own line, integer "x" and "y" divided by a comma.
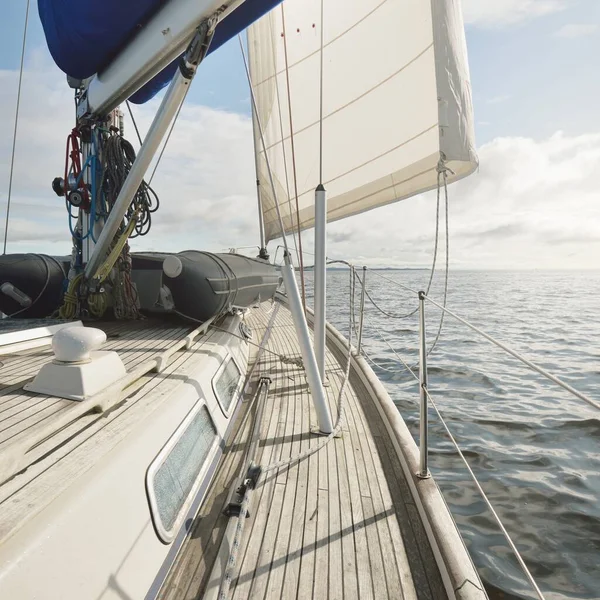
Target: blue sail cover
{"x": 83, "y": 36}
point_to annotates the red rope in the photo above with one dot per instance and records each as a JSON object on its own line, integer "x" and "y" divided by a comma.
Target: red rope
{"x": 73, "y": 152}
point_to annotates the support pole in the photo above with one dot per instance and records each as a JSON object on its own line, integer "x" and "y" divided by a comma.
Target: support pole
{"x": 167, "y": 111}
{"x": 362, "y": 310}
{"x": 423, "y": 443}
{"x": 320, "y": 276}
{"x": 171, "y": 102}
{"x": 308, "y": 355}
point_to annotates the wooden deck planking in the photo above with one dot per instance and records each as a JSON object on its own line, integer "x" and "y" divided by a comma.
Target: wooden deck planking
{"x": 420, "y": 561}
{"x": 336, "y": 525}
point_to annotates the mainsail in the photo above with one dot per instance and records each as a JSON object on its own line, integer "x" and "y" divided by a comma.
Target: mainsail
{"x": 396, "y": 103}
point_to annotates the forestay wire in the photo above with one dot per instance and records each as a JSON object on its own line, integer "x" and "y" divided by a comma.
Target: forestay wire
{"x": 264, "y": 147}
{"x": 14, "y": 144}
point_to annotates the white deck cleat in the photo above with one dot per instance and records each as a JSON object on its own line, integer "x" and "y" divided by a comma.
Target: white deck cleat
{"x": 79, "y": 370}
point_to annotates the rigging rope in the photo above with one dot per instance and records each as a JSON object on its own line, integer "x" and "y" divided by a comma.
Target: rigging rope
{"x": 264, "y": 147}
{"x": 439, "y": 331}
{"x": 14, "y": 144}
{"x": 285, "y": 166}
{"x": 137, "y": 131}
{"x": 289, "y": 97}
{"x": 116, "y": 157}
{"x": 119, "y": 156}
{"x": 441, "y": 175}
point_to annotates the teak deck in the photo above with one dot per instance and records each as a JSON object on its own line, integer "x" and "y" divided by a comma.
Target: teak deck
{"x": 340, "y": 524}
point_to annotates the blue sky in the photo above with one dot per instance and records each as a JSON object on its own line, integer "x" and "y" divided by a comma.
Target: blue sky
{"x": 526, "y": 79}
{"x": 535, "y": 75}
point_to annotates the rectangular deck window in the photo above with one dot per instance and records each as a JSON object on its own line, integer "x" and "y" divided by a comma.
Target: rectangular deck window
{"x": 176, "y": 473}
{"x": 227, "y": 384}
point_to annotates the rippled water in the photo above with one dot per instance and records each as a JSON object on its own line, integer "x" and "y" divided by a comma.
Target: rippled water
{"x": 534, "y": 448}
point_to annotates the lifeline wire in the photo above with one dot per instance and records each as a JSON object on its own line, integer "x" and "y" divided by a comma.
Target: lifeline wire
{"x": 477, "y": 484}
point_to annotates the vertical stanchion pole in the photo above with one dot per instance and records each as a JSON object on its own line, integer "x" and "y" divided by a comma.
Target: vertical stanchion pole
{"x": 362, "y": 309}
{"x": 423, "y": 461}
{"x": 320, "y": 276}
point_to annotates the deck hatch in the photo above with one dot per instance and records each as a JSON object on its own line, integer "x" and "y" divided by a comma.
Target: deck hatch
{"x": 227, "y": 383}
{"x": 177, "y": 472}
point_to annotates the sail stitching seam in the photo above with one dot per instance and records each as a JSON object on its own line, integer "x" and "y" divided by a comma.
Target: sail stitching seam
{"x": 354, "y": 100}
{"x": 394, "y": 184}
{"x": 335, "y": 39}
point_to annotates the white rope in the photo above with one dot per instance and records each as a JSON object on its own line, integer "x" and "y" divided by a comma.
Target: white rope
{"x": 441, "y": 175}
{"x": 14, "y": 144}
{"x": 442, "y": 171}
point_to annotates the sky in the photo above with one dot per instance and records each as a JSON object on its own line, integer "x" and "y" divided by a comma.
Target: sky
{"x": 533, "y": 204}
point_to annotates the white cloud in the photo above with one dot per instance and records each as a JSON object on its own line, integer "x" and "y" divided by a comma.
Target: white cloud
{"x": 576, "y": 30}
{"x": 205, "y": 180}
{"x": 532, "y": 204}
{"x": 499, "y": 99}
{"x": 498, "y": 13}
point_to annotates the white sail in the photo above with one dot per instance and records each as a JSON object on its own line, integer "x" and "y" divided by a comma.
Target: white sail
{"x": 396, "y": 100}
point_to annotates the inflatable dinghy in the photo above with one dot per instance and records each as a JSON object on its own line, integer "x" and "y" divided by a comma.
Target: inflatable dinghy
{"x": 195, "y": 285}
